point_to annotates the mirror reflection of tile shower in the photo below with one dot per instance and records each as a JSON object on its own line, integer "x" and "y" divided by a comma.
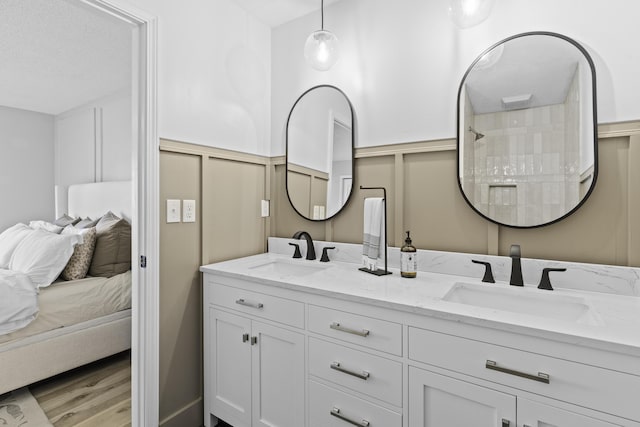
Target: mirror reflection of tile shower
{"x": 527, "y": 158}
{"x": 503, "y": 203}
{"x": 536, "y": 148}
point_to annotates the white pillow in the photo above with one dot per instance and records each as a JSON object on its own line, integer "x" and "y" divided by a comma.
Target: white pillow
{"x": 72, "y": 229}
{"x": 43, "y": 255}
{"x": 9, "y": 239}
{"x": 44, "y": 225}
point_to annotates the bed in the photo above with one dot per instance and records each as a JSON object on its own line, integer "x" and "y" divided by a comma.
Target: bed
{"x": 79, "y": 321}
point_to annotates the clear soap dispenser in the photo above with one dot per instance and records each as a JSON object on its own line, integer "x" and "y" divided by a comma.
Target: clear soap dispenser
{"x": 408, "y": 259}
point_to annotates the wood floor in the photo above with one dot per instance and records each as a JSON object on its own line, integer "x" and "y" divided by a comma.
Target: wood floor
{"x": 95, "y": 395}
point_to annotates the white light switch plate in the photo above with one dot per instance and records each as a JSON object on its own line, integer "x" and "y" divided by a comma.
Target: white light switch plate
{"x": 173, "y": 210}
{"x": 265, "y": 208}
{"x": 188, "y": 211}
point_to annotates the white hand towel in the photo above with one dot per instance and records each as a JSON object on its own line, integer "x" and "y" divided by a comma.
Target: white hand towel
{"x": 373, "y": 242}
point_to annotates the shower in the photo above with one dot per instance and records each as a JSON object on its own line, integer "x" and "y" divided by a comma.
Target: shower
{"x": 476, "y": 133}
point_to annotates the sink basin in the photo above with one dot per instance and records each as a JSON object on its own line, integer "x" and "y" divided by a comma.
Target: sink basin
{"x": 533, "y": 302}
{"x": 282, "y": 268}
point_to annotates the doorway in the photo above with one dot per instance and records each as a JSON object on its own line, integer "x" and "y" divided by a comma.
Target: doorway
{"x": 141, "y": 87}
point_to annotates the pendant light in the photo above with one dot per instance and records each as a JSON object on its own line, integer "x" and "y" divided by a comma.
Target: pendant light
{"x": 321, "y": 49}
{"x": 467, "y": 13}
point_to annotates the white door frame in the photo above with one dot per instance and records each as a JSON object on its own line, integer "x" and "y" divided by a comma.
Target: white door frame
{"x": 144, "y": 236}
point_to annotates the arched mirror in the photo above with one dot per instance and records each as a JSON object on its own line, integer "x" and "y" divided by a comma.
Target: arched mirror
{"x": 320, "y": 140}
{"x": 527, "y": 137}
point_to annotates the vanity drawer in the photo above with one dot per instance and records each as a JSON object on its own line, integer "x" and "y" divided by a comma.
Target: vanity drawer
{"x": 256, "y": 304}
{"x": 372, "y": 375}
{"x": 365, "y": 331}
{"x": 332, "y": 408}
{"x": 589, "y": 386}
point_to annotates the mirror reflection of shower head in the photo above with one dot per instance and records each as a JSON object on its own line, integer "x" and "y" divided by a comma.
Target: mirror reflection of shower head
{"x": 476, "y": 133}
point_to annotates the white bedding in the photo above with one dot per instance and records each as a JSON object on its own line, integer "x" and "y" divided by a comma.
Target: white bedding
{"x": 18, "y": 301}
{"x": 31, "y": 259}
{"x": 67, "y": 303}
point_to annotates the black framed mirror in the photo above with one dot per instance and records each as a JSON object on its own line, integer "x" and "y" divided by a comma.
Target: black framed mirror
{"x": 319, "y": 153}
{"x": 527, "y": 130}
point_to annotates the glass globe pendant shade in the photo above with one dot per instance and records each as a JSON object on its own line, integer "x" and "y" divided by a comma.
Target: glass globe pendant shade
{"x": 467, "y": 13}
{"x": 490, "y": 58}
{"x": 321, "y": 50}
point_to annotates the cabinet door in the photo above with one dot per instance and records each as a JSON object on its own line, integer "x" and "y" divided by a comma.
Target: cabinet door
{"x": 439, "y": 401}
{"x": 278, "y": 377}
{"x": 230, "y": 366}
{"x": 533, "y": 414}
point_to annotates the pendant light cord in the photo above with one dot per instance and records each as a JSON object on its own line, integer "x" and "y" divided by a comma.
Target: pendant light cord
{"x": 322, "y": 15}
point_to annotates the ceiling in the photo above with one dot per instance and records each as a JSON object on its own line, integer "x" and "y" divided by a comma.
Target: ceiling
{"x": 58, "y": 54}
{"x": 542, "y": 66}
{"x": 277, "y": 12}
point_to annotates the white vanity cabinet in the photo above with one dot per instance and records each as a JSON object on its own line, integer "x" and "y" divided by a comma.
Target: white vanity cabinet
{"x": 512, "y": 373}
{"x": 534, "y": 414}
{"x": 353, "y": 379}
{"x": 284, "y": 353}
{"x": 439, "y": 400}
{"x": 254, "y": 368}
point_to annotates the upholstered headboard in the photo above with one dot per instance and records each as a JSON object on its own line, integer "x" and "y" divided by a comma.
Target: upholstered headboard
{"x": 95, "y": 199}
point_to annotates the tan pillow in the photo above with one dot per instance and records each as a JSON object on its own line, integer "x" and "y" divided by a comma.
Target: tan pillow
{"x": 106, "y": 221}
{"x": 79, "y": 263}
{"x": 112, "y": 254}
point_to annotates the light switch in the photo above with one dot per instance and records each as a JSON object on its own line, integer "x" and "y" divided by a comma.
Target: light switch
{"x": 265, "y": 208}
{"x": 188, "y": 211}
{"x": 173, "y": 210}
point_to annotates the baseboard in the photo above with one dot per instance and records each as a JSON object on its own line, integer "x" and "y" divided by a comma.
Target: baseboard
{"x": 190, "y": 415}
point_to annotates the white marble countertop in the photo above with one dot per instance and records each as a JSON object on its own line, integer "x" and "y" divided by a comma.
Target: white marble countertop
{"x": 613, "y": 323}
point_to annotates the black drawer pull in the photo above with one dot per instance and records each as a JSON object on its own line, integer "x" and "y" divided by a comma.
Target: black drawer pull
{"x": 541, "y": 377}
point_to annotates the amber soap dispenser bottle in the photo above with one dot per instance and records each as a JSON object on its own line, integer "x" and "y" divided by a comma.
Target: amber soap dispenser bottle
{"x": 408, "y": 259}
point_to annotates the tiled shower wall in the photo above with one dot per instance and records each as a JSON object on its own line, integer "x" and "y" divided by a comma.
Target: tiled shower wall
{"x": 468, "y": 181}
{"x": 534, "y": 150}
{"x": 572, "y": 144}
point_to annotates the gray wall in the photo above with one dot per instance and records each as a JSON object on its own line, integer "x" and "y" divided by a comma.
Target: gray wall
{"x": 26, "y": 166}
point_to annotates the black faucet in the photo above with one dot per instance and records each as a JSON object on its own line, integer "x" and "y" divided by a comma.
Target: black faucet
{"x": 488, "y": 274}
{"x": 516, "y": 268}
{"x": 325, "y": 255}
{"x": 545, "y": 282}
{"x": 311, "y": 252}
{"x": 296, "y": 253}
